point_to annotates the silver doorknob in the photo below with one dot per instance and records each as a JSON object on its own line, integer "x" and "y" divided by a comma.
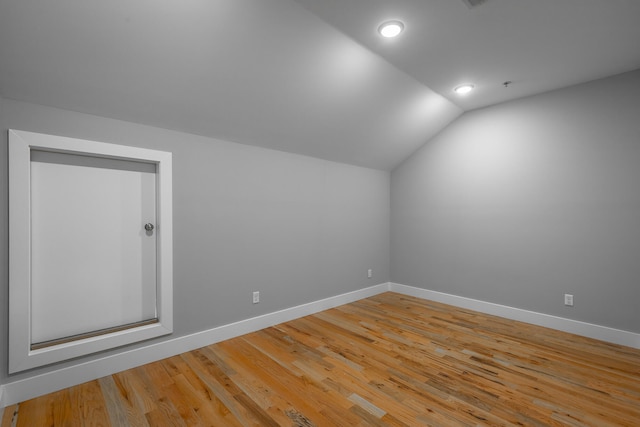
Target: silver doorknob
{"x": 148, "y": 227}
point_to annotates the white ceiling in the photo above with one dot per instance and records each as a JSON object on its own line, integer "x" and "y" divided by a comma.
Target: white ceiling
{"x": 539, "y": 45}
{"x": 308, "y": 77}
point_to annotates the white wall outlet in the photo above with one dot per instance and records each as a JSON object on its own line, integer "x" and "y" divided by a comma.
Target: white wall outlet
{"x": 369, "y": 273}
{"x": 568, "y": 300}
{"x": 256, "y": 297}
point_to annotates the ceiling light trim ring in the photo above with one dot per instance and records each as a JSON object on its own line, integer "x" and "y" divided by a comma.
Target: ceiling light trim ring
{"x": 390, "y": 29}
{"x": 463, "y": 89}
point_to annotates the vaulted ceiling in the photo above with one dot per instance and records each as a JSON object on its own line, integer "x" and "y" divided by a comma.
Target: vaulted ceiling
{"x": 306, "y": 76}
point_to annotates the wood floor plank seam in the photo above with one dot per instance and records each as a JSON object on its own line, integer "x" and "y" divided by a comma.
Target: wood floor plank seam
{"x": 387, "y": 360}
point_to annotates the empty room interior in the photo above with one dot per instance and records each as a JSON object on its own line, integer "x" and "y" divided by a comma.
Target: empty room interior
{"x": 318, "y": 213}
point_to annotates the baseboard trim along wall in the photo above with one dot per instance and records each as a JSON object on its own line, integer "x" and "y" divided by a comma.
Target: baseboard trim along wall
{"x": 49, "y": 382}
{"x": 28, "y": 388}
{"x": 603, "y": 333}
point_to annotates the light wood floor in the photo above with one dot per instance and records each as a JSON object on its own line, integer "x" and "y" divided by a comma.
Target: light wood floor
{"x": 389, "y": 360}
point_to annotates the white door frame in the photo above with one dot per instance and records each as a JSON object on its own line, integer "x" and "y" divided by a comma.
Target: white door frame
{"x": 21, "y": 356}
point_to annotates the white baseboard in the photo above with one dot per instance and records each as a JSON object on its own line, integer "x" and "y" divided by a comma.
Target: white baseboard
{"x": 590, "y": 330}
{"x": 39, "y": 385}
{"x": 2, "y": 405}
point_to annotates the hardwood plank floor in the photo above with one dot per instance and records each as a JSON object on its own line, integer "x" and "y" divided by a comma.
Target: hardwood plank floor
{"x": 388, "y": 360}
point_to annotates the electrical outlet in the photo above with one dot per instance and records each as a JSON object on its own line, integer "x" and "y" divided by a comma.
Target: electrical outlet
{"x": 256, "y": 297}
{"x": 568, "y": 300}
{"x": 369, "y": 273}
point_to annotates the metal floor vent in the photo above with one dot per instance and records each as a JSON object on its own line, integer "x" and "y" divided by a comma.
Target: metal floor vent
{"x": 473, "y": 3}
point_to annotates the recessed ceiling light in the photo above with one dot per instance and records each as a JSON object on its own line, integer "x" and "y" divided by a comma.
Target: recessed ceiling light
{"x": 463, "y": 89}
{"x": 391, "y": 29}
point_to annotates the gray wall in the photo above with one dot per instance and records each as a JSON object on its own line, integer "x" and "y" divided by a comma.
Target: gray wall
{"x": 295, "y": 228}
{"x": 522, "y": 202}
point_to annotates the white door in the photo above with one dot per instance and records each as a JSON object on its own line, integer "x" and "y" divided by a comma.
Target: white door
{"x": 93, "y": 263}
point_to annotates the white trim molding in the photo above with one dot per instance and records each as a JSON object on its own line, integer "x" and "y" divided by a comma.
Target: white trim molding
{"x": 39, "y": 385}
{"x": 603, "y": 333}
{"x": 21, "y": 354}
